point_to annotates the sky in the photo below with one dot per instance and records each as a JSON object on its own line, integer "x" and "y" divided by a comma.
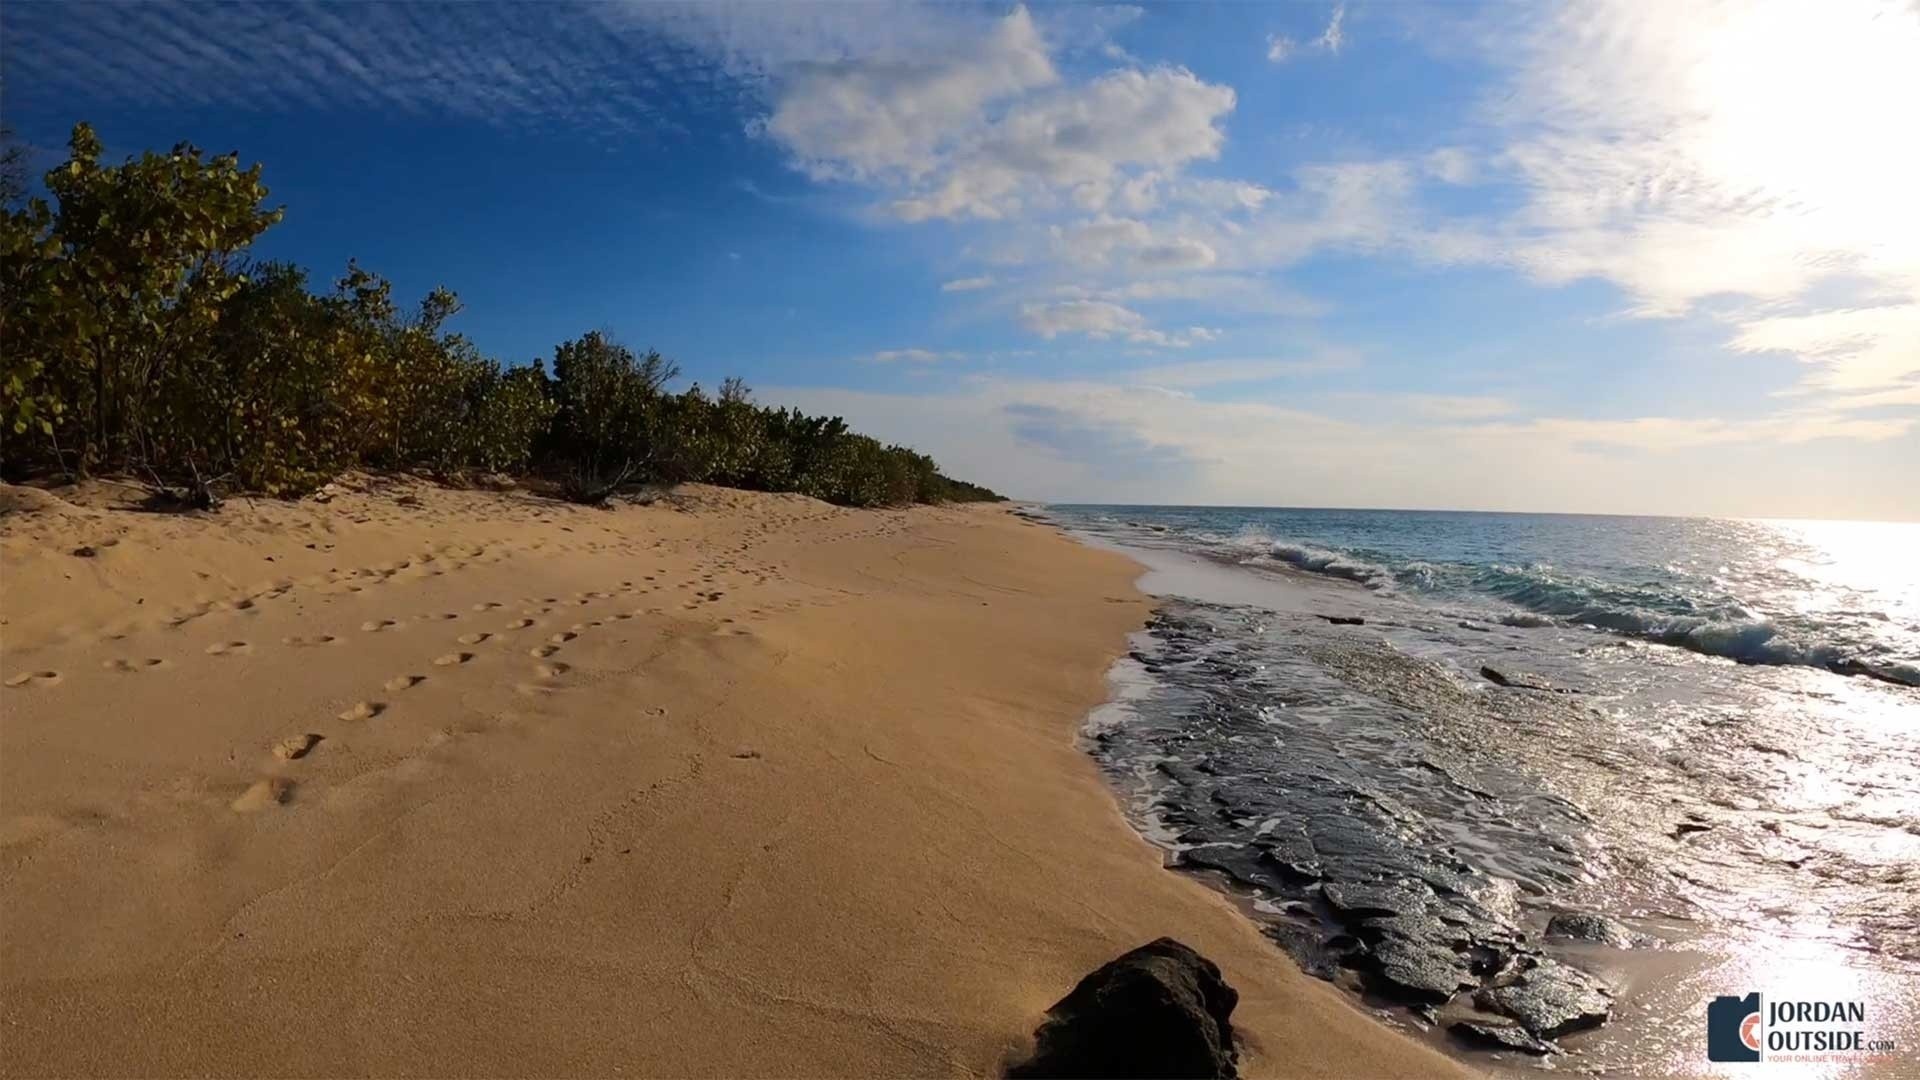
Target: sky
{"x": 1601, "y": 257}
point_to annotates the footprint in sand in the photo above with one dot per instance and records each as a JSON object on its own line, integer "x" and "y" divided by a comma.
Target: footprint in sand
{"x": 452, "y": 658}
{"x": 365, "y": 710}
{"x": 519, "y": 624}
{"x": 374, "y": 626}
{"x": 310, "y": 639}
{"x": 543, "y": 651}
{"x": 553, "y": 670}
{"x": 124, "y": 665}
{"x": 228, "y": 648}
{"x": 34, "y": 678}
{"x": 294, "y": 747}
{"x": 472, "y": 639}
{"x": 488, "y": 605}
{"x": 405, "y": 682}
{"x": 563, "y": 637}
{"x": 271, "y": 791}
{"x": 444, "y": 616}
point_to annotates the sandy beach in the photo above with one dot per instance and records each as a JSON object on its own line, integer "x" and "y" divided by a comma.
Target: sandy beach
{"x": 426, "y": 782}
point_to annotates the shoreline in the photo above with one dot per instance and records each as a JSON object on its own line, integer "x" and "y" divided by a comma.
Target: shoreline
{"x": 792, "y": 790}
{"x": 1172, "y": 743}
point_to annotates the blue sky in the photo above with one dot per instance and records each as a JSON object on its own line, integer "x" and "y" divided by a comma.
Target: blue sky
{"x": 1617, "y": 258}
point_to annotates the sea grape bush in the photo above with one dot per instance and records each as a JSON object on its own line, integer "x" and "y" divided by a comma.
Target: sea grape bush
{"x": 137, "y": 336}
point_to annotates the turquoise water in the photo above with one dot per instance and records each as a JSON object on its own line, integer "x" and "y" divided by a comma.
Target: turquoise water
{"x": 1819, "y": 593}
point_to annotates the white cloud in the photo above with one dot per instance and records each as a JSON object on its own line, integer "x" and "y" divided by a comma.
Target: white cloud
{"x": 1281, "y": 48}
{"x": 980, "y": 127}
{"x": 882, "y": 117}
{"x": 1335, "y": 35}
{"x": 1457, "y": 407}
{"x": 1758, "y": 150}
{"x": 967, "y": 284}
{"x": 1108, "y": 243}
{"x": 1450, "y": 165}
{"x": 1083, "y": 144}
{"x": 913, "y": 356}
{"x": 1228, "y": 371}
{"x": 1855, "y": 348}
{"x": 1103, "y": 320}
{"x": 1094, "y": 318}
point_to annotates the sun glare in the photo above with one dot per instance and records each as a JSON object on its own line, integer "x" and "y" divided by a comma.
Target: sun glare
{"x": 1807, "y": 114}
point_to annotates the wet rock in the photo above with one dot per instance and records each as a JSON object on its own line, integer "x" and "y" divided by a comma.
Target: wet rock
{"x": 1551, "y": 999}
{"x": 1586, "y": 926}
{"x": 1494, "y": 676}
{"x": 1410, "y": 957}
{"x": 1369, "y": 900}
{"x": 1317, "y": 956}
{"x": 1500, "y": 1037}
{"x": 1241, "y": 863}
{"x": 1161, "y": 1010}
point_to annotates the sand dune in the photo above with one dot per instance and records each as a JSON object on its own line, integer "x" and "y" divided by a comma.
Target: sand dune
{"x": 416, "y": 781}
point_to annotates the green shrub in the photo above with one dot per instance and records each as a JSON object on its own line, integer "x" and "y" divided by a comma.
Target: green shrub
{"x": 135, "y": 336}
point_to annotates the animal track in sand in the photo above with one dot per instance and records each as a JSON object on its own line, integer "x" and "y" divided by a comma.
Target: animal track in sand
{"x": 125, "y": 665}
{"x": 443, "y": 616}
{"x": 364, "y": 710}
{"x": 404, "y": 682}
{"x": 228, "y": 648}
{"x": 374, "y": 626}
{"x": 519, "y": 624}
{"x": 563, "y": 637}
{"x": 271, "y": 791}
{"x": 452, "y": 658}
{"x": 543, "y": 650}
{"x": 35, "y": 678}
{"x": 488, "y": 605}
{"x": 310, "y": 639}
{"x": 294, "y": 747}
{"x": 553, "y": 670}
{"x": 474, "y": 638}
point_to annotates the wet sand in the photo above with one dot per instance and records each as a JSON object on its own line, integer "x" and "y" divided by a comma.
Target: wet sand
{"x": 417, "y": 781}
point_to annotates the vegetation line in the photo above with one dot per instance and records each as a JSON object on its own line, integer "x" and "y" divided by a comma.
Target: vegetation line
{"x": 137, "y": 336}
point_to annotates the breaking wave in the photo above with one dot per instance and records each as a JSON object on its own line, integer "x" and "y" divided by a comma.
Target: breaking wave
{"x": 1664, "y": 614}
{"x": 1332, "y": 564}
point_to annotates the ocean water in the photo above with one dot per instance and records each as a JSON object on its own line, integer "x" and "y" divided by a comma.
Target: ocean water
{"x": 1409, "y": 740}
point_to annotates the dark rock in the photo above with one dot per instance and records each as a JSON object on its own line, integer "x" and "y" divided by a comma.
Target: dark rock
{"x": 1365, "y": 900}
{"x": 1318, "y": 958}
{"x": 1551, "y": 999}
{"x": 1585, "y": 926}
{"x": 1500, "y": 1037}
{"x": 1493, "y": 676}
{"x": 85, "y": 551}
{"x": 1345, "y": 620}
{"x": 1161, "y": 1010}
{"x": 1418, "y": 969}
